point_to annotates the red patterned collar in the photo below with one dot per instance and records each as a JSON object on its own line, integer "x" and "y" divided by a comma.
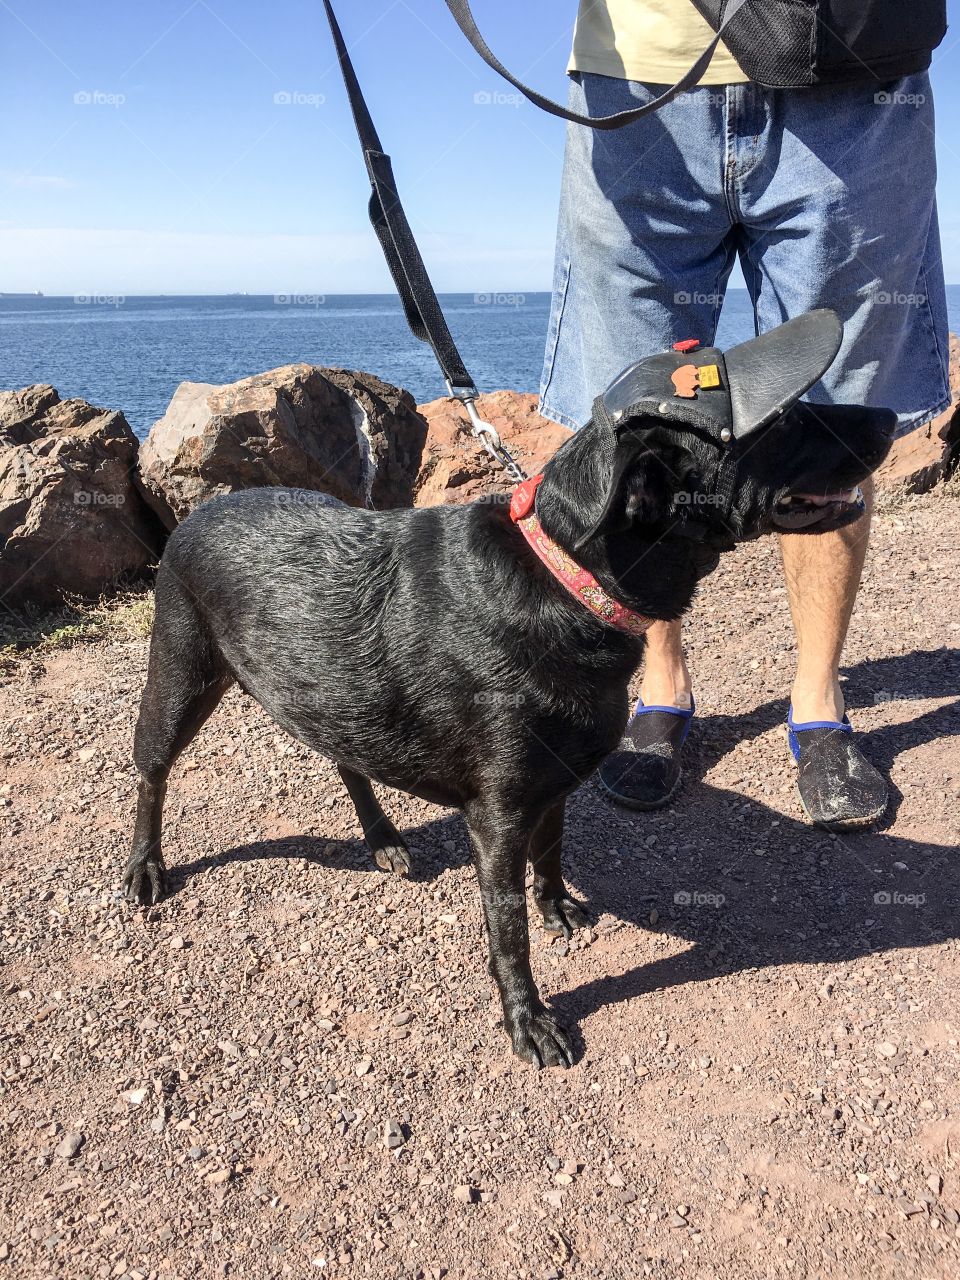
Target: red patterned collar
{"x": 577, "y": 580}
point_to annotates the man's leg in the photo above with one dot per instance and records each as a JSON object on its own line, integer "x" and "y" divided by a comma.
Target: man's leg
{"x": 823, "y": 574}
{"x": 644, "y": 240}
{"x": 644, "y": 248}
{"x": 666, "y": 677}
{"x": 839, "y": 787}
{"x": 821, "y": 230}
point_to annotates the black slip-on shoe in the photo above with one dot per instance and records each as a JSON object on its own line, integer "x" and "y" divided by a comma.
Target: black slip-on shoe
{"x": 645, "y": 773}
{"x": 840, "y": 789}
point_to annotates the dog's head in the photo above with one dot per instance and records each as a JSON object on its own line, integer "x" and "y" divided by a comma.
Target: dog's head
{"x": 689, "y": 454}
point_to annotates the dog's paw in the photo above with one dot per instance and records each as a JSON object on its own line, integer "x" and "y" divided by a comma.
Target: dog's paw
{"x": 563, "y": 915}
{"x": 145, "y": 883}
{"x": 538, "y": 1038}
{"x": 393, "y": 857}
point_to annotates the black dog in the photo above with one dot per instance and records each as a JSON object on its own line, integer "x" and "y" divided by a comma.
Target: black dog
{"x": 431, "y": 650}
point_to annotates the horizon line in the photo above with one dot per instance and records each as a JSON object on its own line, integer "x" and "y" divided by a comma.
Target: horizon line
{"x": 24, "y": 295}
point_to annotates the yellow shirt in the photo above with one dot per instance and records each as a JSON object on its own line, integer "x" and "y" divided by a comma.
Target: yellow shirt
{"x": 651, "y": 40}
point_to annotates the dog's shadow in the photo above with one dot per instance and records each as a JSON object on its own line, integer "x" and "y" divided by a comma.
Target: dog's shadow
{"x": 745, "y": 893}
{"x": 429, "y": 856}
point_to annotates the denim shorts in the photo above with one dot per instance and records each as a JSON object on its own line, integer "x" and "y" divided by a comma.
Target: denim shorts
{"x": 826, "y": 195}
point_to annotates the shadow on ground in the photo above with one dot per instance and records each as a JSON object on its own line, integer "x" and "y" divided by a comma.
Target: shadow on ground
{"x": 744, "y": 892}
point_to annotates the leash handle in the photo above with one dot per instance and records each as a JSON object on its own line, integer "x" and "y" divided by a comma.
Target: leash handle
{"x": 420, "y": 304}
{"x": 464, "y": 19}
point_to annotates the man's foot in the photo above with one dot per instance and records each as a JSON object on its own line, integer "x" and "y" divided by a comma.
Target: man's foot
{"x": 645, "y": 772}
{"x": 840, "y": 789}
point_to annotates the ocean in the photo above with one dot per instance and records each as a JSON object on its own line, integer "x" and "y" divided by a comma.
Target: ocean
{"x": 131, "y": 353}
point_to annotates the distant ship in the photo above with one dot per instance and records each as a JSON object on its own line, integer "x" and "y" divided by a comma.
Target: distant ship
{"x": 35, "y": 294}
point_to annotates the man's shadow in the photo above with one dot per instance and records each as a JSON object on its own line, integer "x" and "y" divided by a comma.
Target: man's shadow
{"x": 747, "y": 894}
{"x": 908, "y": 678}
{"x": 745, "y": 885}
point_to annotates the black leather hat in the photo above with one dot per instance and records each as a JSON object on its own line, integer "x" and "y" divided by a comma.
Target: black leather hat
{"x": 729, "y": 394}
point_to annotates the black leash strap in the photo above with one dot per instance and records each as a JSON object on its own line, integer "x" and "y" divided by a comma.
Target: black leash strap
{"x": 420, "y": 303}
{"x": 465, "y": 21}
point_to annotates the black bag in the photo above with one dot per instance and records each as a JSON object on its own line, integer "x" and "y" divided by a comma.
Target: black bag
{"x": 789, "y": 44}
{"x": 783, "y": 44}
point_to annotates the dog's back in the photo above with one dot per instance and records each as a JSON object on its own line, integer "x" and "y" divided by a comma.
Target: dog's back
{"x": 306, "y": 604}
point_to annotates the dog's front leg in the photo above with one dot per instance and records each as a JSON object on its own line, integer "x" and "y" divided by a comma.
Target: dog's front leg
{"x": 500, "y": 844}
{"x": 561, "y": 913}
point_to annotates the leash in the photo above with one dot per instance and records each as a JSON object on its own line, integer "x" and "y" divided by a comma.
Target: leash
{"x": 420, "y": 303}
{"x": 467, "y": 24}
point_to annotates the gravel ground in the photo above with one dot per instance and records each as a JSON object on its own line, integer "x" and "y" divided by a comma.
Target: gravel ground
{"x": 294, "y": 1065}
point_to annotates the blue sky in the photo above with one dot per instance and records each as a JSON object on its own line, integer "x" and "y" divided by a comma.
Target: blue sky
{"x": 144, "y": 151}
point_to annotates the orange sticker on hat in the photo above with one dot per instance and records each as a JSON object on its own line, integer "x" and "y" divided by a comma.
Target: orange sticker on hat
{"x": 686, "y": 379}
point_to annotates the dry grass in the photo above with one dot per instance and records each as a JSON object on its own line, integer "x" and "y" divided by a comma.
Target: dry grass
{"x": 126, "y": 615}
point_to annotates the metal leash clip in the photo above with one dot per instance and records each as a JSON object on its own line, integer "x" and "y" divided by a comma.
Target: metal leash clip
{"x": 485, "y": 434}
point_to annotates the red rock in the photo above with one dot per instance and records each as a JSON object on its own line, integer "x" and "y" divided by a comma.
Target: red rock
{"x": 343, "y": 433}
{"x": 919, "y": 460}
{"x": 71, "y": 516}
{"x": 457, "y": 469}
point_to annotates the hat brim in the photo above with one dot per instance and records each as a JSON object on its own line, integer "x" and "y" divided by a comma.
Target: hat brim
{"x": 769, "y": 373}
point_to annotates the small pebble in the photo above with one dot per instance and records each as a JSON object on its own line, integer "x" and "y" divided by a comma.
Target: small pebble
{"x": 70, "y": 1145}
{"x": 392, "y": 1135}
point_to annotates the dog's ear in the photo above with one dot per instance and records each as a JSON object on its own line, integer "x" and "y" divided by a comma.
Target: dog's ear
{"x": 642, "y": 479}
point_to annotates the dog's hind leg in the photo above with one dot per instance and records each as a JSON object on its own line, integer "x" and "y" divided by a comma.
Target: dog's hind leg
{"x": 185, "y": 681}
{"x": 382, "y": 837}
{"x": 561, "y": 913}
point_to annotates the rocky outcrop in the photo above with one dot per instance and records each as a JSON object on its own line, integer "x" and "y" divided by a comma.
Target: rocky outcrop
{"x": 71, "y": 517}
{"x": 919, "y": 460}
{"x": 76, "y": 514}
{"x": 457, "y": 469}
{"x": 343, "y": 433}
